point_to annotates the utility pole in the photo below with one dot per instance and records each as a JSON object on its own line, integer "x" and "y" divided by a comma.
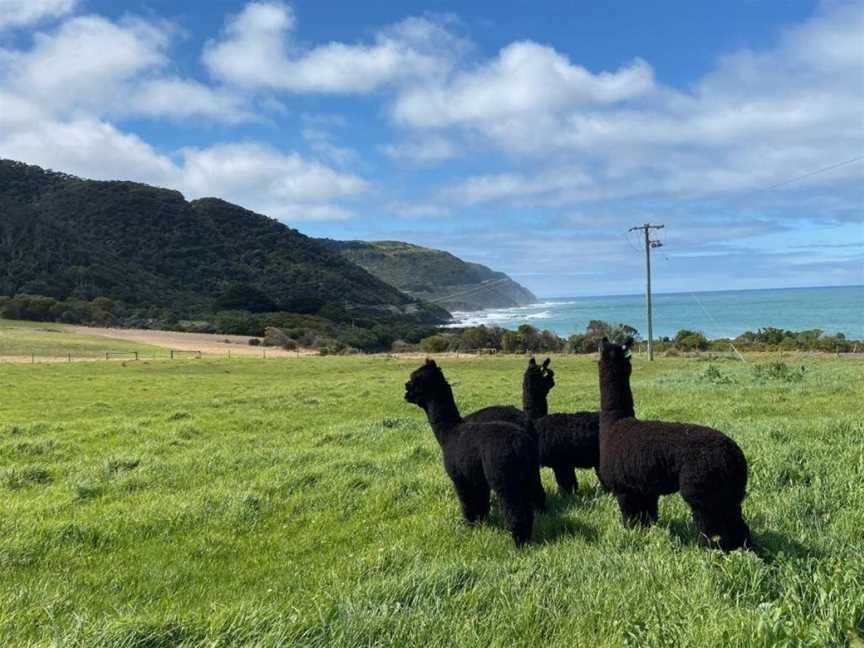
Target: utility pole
{"x": 646, "y": 228}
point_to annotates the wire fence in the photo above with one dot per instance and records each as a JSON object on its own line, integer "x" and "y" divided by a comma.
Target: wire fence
{"x": 52, "y": 356}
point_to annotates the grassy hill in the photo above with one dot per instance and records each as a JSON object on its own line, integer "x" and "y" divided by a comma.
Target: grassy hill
{"x": 167, "y": 504}
{"x": 156, "y": 256}
{"x": 435, "y": 275}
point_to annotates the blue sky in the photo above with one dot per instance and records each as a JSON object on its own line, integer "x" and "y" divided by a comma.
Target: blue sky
{"x": 528, "y": 136}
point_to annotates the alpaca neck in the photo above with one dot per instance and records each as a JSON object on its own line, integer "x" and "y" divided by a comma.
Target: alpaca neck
{"x": 443, "y": 416}
{"x": 534, "y": 405}
{"x": 616, "y": 399}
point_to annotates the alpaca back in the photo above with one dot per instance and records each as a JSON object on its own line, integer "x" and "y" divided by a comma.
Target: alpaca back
{"x": 569, "y": 438}
{"x": 663, "y": 457}
{"x": 499, "y": 444}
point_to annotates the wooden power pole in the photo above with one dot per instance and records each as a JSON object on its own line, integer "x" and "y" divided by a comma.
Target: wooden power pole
{"x": 646, "y": 228}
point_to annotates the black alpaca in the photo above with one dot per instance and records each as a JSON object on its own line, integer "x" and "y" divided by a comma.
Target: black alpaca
{"x": 641, "y": 460}
{"x": 509, "y": 414}
{"x": 565, "y": 441}
{"x": 480, "y": 456}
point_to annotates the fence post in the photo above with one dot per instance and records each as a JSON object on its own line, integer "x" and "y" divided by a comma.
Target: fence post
{"x": 68, "y": 357}
{"x": 172, "y": 354}
{"x": 136, "y": 355}
{"x": 229, "y": 354}
{"x": 106, "y": 355}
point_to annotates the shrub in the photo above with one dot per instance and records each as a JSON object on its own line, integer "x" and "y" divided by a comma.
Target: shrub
{"x": 595, "y": 331}
{"x": 713, "y": 375}
{"x": 511, "y": 342}
{"x": 778, "y": 371}
{"x": 686, "y": 340}
{"x": 435, "y": 344}
{"x": 274, "y": 336}
{"x": 254, "y": 342}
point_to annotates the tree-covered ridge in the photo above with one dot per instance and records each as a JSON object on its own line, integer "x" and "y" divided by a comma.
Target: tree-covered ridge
{"x": 435, "y": 275}
{"x": 65, "y": 237}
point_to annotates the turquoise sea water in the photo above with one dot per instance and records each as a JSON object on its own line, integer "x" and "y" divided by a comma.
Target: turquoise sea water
{"x": 718, "y": 314}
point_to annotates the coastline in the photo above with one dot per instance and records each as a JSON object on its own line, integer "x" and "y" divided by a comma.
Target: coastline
{"x": 720, "y": 314}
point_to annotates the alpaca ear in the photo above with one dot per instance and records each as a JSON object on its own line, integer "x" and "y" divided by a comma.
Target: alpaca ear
{"x": 532, "y": 362}
{"x": 546, "y": 363}
{"x": 604, "y": 344}
{"x": 430, "y": 362}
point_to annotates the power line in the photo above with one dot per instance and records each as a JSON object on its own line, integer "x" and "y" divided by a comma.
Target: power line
{"x": 648, "y": 245}
{"x": 482, "y": 286}
{"x": 806, "y": 175}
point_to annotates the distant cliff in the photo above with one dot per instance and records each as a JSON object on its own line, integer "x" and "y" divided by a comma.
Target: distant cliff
{"x": 435, "y": 275}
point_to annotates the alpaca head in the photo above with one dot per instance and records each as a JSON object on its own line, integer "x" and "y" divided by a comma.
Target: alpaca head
{"x": 425, "y": 384}
{"x": 615, "y": 372}
{"x": 536, "y": 383}
{"x": 616, "y": 355}
{"x": 538, "y": 379}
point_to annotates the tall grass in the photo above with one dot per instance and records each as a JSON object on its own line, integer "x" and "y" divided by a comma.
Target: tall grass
{"x": 266, "y": 503}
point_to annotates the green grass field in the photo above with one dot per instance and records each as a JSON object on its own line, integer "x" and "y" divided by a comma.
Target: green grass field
{"x": 50, "y": 340}
{"x": 281, "y": 503}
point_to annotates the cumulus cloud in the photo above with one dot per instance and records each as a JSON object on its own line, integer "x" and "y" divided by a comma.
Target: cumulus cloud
{"x": 524, "y": 79}
{"x": 257, "y": 50}
{"x": 22, "y": 13}
{"x": 757, "y": 118}
{"x": 111, "y": 69}
{"x": 282, "y": 185}
{"x": 62, "y": 95}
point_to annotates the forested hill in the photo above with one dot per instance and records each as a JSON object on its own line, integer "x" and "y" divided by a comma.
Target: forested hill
{"x": 436, "y": 275}
{"x": 161, "y": 256}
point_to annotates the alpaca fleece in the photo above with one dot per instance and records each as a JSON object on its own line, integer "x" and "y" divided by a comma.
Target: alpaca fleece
{"x": 641, "y": 460}
{"x": 480, "y": 457}
{"x": 565, "y": 441}
{"x": 509, "y": 414}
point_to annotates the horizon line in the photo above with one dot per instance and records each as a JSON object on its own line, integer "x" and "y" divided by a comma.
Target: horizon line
{"x": 698, "y": 292}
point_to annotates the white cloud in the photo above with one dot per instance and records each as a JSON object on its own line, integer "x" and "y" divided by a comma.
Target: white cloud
{"x": 252, "y": 173}
{"x": 82, "y": 63}
{"x": 322, "y": 142}
{"x": 413, "y": 209}
{"x": 280, "y": 185}
{"x": 524, "y": 79}
{"x": 87, "y": 147}
{"x": 551, "y": 187}
{"x": 424, "y": 150}
{"x": 257, "y": 50}
{"x": 183, "y": 99}
{"x": 22, "y": 13}
{"x": 60, "y": 96}
{"x": 101, "y": 68}
{"x": 758, "y": 118}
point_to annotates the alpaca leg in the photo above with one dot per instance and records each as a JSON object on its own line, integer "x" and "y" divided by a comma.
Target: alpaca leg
{"x": 519, "y": 515}
{"x": 637, "y": 509}
{"x": 709, "y": 523}
{"x": 735, "y": 533}
{"x": 566, "y": 477}
{"x": 603, "y": 486}
{"x": 650, "y": 510}
{"x": 536, "y": 487}
{"x": 474, "y": 498}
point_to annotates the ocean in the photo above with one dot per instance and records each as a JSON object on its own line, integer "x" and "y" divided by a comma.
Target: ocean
{"x": 726, "y": 313}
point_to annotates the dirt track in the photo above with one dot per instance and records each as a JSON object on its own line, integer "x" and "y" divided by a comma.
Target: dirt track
{"x": 208, "y": 343}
